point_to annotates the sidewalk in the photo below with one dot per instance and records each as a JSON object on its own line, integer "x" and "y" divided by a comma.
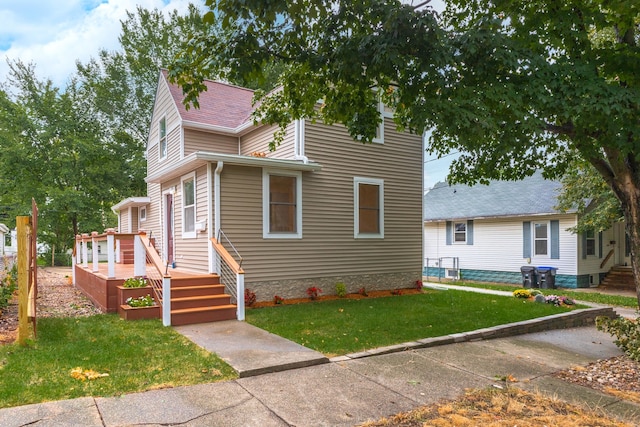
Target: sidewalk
{"x": 348, "y": 391}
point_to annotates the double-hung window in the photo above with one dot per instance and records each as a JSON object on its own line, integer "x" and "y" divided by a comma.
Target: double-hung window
{"x": 540, "y": 239}
{"x": 590, "y": 239}
{"x": 368, "y": 208}
{"x": 282, "y": 204}
{"x": 189, "y": 206}
{"x": 162, "y": 133}
{"x": 460, "y": 232}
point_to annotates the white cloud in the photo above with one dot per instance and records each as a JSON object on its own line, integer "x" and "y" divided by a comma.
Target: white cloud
{"x": 55, "y": 34}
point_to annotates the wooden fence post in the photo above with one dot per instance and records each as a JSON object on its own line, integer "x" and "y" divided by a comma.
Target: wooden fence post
{"x": 22, "y": 225}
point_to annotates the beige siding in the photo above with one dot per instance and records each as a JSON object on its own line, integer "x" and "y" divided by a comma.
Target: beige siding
{"x": 204, "y": 141}
{"x": 153, "y": 223}
{"x": 259, "y": 139}
{"x": 192, "y": 253}
{"x": 124, "y": 220}
{"x": 163, "y": 107}
{"x": 328, "y": 246}
{"x": 134, "y": 220}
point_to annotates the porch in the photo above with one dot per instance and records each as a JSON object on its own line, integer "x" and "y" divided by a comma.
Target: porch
{"x": 184, "y": 297}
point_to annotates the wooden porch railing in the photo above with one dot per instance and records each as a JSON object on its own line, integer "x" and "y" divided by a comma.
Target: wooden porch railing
{"x": 146, "y": 262}
{"x": 606, "y": 259}
{"x": 230, "y": 271}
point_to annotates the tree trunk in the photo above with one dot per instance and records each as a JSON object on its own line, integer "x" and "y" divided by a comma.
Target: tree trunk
{"x": 632, "y": 218}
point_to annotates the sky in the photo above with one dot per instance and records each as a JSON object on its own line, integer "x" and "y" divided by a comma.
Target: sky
{"x": 54, "y": 34}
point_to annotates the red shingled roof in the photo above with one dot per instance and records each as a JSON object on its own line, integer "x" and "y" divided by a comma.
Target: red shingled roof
{"x": 220, "y": 105}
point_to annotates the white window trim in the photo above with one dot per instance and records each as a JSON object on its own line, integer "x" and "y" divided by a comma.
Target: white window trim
{"x": 356, "y": 207}
{"x": 166, "y": 138}
{"x": 142, "y": 218}
{"x": 533, "y": 240}
{"x": 189, "y": 234}
{"x": 380, "y": 138}
{"x": 266, "y": 233}
{"x": 453, "y": 230}
{"x": 595, "y": 244}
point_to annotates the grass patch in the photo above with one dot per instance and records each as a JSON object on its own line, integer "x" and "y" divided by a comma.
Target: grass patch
{"x": 491, "y": 407}
{"x": 137, "y": 356}
{"x": 615, "y": 300}
{"x": 339, "y": 327}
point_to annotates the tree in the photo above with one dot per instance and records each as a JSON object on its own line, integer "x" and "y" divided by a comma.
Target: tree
{"x": 515, "y": 86}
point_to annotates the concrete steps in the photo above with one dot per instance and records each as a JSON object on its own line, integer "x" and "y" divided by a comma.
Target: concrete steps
{"x": 619, "y": 277}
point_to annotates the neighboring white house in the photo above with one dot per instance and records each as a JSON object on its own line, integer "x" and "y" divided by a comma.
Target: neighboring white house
{"x": 496, "y": 229}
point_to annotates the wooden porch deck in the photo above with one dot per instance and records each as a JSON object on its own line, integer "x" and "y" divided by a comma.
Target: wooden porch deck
{"x": 125, "y": 271}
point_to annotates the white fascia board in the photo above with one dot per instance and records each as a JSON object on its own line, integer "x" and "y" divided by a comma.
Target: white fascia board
{"x": 240, "y": 130}
{"x": 131, "y": 202}
{"x": 199, "y": 158}
{"x": 499, "y": 216}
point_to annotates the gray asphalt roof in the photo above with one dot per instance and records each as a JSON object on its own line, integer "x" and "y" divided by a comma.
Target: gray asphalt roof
{"x": 531, "y": 196}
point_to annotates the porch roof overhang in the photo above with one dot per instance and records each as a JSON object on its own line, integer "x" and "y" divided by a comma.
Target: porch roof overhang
{"x": 131, "y": 202}
{"x": 201, "y": 158}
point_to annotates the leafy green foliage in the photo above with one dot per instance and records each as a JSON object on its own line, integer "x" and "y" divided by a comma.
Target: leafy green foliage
{"x": 135, "y": 282}
{"x": 627, "y": 333}
{"x": 341, "y": 289}
{"x": 8, "y": 284}
{"x": 143, "y": 301}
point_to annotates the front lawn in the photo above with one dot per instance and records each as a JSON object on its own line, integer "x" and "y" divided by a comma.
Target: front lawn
{"x": 137, "y": 355}
{"x": 344, "y": 326}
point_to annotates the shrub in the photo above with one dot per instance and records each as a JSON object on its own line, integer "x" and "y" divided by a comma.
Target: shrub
{"x": 522, "y": 293}
{"x": 627, "y": 333}
{"x": 135, "y": 282}
{"x": 278, "y": 299}
{"x": 249, "y": 297}
{"x": 313, "y": 292}
{"x": 396, "y": 292}
{"x": 341, "y": 289}
{"x": 362, "y": 291}
{"x": 8, "y": 284}
{"x": 419, "y": 285}
{"x": 145, "y": 301}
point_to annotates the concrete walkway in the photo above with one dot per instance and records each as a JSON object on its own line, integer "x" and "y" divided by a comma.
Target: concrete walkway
{"x": 346, "y": 392}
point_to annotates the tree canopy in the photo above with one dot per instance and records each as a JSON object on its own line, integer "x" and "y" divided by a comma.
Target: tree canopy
{"x": 514, "y": 86}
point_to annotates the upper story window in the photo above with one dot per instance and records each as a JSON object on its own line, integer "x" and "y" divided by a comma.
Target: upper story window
{"x": 368, "y": 208}
{"x": 540, "y": 239}
{"x": 460, "y": 232}
{"x": 379, "y": 139}
{"x": 282, "y": 204}
{"x": 162, "y": 133}
{"x": 189, "y": 206}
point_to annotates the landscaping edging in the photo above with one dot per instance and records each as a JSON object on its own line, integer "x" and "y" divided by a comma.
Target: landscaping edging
{"x": 570, "y": 319}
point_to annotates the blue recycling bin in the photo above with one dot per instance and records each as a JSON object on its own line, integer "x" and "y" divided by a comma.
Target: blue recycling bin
{"x": 547, "y": 277}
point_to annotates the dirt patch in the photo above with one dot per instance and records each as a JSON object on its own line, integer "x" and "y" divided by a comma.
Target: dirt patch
{"x": 369, "y": 294}
{"x": 57, "y": 297}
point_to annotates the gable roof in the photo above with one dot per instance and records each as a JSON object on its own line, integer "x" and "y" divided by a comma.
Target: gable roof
{"x": 221, "y": 105}
{"x": 533, "y": 195}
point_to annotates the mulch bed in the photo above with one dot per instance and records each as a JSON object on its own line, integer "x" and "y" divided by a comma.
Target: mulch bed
{"x": 370, "y": 294}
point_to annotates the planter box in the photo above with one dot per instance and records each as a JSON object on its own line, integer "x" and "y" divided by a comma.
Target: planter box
{"x": 136, "y": 313}
{"x": 125, "y": 293}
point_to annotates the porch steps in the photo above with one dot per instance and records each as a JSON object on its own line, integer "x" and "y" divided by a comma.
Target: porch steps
{"x": 199, "y": 299}
{"x": 619, "y": 277}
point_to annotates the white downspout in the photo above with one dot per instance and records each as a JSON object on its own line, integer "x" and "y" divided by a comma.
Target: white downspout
{"x": 215, "y": 264}
{"x": 298, "y": 149}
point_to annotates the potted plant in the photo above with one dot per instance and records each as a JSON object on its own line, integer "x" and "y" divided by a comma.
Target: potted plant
{"x": 143, "y": 307}
{"x": 133, "y": 287}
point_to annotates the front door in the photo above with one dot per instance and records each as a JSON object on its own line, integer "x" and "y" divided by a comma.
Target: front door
{"x": 623, "y": 249}
{"x": 168, "y": 226}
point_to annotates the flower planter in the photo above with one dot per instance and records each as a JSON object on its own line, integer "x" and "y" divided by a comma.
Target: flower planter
{"x": 125, "y": 293}
{"x": 135, "y": 313}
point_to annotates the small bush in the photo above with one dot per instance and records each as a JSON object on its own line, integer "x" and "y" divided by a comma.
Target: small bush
{"x": 313, "y": 292}
{"x": 396, "y": 292}
{"x": 341, "y": 289}
{"x": 419, "y": 285}
{"x": 278, "y": 299}
{"x": 135, "y": 282}
{"x": 627, "y": 333}
{"x": 249, "y": 297}
{"x": 522, "y": 293}
{"x": 8, "y": 284}
{"x": 362, "y": 291}
{"x": 146, "y": 301}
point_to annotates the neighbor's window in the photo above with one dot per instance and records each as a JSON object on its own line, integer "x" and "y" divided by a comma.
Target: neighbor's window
{"x": 540, "y": 239}
{"x": 282, "y": 213}
{"x": 369, "y": 208}
{"x": 591, "y": 242}
{"x": 460, "y": 232}
{"x": 189, "y": 206}
{"x": 162, "y": 131}
{"x": 7, "y": 239}
{"x": 143, "y": 214}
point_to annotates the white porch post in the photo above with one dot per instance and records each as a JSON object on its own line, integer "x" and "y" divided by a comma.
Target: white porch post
{"x": 85, "y": 254}
{"x": 78, "y": 249}
{"x": 240, "y": 293}
{"x": 139, "y": 256}
{"x": 94, "y": 251}
{"x": 111, "y": 259}
{"x": 166, "y": 301}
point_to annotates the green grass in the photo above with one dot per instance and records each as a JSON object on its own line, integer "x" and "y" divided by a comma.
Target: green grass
{"x": 347, "y": 325}
{"x": 615, "y": 300}
{"x": 137, "y": 355}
